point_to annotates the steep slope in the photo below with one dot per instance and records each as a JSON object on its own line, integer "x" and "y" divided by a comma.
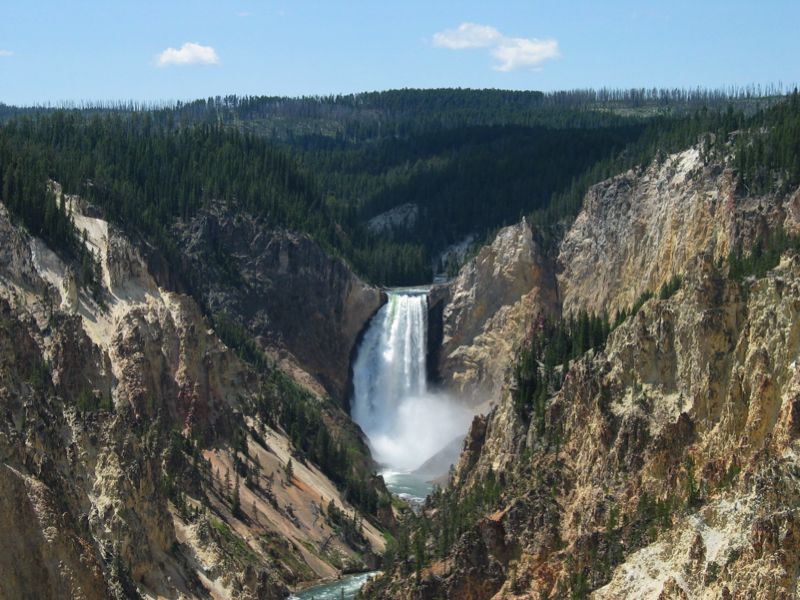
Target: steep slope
{"x": 652, "y": 442}
{"x": 664, "y": 464}
{"x": 638, "y": 229}
{"x": 634, "y": 233}
{"x": 491, "y": 305}
{"x": 140, "y": 456}
{"x": 283, "y": 289}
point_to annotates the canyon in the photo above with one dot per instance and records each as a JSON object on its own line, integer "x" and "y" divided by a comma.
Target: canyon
{"x": 119, "y": 474}
{"x": 665, "y": 463}
{"x": 233, "y": 423}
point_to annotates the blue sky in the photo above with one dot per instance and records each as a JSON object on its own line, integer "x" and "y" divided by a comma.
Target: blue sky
{"x": 52, "y": 51}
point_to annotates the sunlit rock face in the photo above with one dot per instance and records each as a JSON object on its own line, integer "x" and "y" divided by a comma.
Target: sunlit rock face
{"x": 117, "y": 467}
{"x": 633, "y": 233}
{"x": 492, "y": 303}
{"x": 638, "y": 229}
{"x": 666, "y": 465}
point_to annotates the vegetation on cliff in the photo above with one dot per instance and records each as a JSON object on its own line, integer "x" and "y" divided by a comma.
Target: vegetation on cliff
{"x": 583, "y": 421}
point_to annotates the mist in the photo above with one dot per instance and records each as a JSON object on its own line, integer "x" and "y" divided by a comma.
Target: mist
{"x": 421, "y": 427}
{"x": 406, "y": 424}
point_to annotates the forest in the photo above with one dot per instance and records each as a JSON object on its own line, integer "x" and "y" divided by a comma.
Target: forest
{"x": 472, "y": 161}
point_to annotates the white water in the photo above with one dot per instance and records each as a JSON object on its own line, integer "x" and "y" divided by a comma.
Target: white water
{"x": 405, "y": 422}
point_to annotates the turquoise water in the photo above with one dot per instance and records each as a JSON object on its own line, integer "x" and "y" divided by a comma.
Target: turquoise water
{"x": 410, "y": 487}
{"x": 347, "y": 587}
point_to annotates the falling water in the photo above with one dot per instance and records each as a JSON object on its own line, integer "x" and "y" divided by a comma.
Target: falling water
{"x": 405, "y": 422}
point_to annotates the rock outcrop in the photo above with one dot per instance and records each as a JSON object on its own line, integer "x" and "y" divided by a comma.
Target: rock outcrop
{"x": 402, "y": 217}
{"x": 283, "y": 289}
{"x": 638, "y": 229}
{"x": 492, "y": 302}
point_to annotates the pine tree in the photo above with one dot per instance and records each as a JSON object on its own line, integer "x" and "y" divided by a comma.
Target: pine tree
{"x": 419, "y": 554}
{"x": 258, "y": 471}
{"x": 289, "y": 471}
{"x": 235, "y": 502}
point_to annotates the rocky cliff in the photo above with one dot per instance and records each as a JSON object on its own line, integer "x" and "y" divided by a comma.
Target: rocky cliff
{"x": 664, "y": 463}
{"x": 283, "y": 289}
{"x": 142, "y": 457}
{"x": 634, "y": 232}
{"x": 491, "y": 305}
{"x": 639, "y": 228}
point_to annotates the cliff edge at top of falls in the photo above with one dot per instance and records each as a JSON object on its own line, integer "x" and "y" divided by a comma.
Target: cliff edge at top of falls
{"x": 140, "y": 456}
{"x": 665, "y": 462}
{"x": 284, "y": 289}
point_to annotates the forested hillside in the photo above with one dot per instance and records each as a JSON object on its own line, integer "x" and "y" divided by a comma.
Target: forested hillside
{"x": 405, "y": 113}
{"x": 475, "y": 160}
{"x": 144, "y": 176}
{"x": 471, "y": 161}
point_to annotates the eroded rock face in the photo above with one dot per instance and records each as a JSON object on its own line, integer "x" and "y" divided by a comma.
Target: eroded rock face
{"x": 492, "y": 302}
{"x": 638, "y": 229}
{"x": 125, "y": 266}
{"x": 82, "y": 369}
{"x": 164, "y": 350}
{"x": 691, "y": 414}
{"x": 43, "y": 555}
{"x": 666, "y": 464}
{"x": 125, "y": 426}
{"x": 634, "y": 232}
{"x": 15, "y": 252}
{"x": 284, "y": 289}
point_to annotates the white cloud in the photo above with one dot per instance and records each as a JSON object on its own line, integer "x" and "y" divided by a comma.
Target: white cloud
{"x": 244, "y": 13}
{"x": 467, "y": 35}
{"x": 512, "y": 52}
{"x": 188, "y": 54}
{"x": 523, "y": 53}
{"x": 6, "y": 53}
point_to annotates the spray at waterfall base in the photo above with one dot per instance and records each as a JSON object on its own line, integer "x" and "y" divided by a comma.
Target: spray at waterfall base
{"x": 406, "y": 423}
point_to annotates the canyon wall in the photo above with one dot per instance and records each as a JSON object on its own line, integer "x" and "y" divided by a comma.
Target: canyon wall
{"x": 491, "y": 305}
{"x": 665, "y": 465}
{"x": 138, "y": 452}
{"x": 284, "y": 289}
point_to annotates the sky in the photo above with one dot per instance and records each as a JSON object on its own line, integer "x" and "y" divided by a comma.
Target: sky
{"x": 55, "y": 51}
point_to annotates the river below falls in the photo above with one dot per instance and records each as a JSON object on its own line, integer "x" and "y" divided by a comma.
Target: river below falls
{"x": 347, "y": 587}
{"x": 410, "y": 487}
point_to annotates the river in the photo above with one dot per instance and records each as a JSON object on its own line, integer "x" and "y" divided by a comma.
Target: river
{"x": 347, "y": 587}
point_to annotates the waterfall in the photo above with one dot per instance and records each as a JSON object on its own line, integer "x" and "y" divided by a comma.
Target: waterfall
{"x": 405, "y": 422}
